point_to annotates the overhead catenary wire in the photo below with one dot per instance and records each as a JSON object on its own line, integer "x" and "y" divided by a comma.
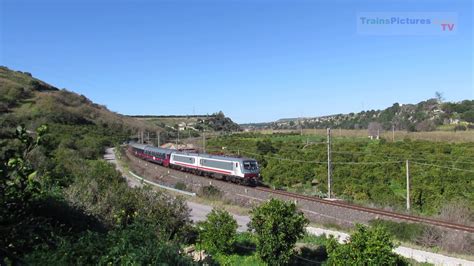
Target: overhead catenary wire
{"x": 399, "y": 156}
{"x": 313, "y": 162}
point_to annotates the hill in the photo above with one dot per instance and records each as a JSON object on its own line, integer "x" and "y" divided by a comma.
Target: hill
{"x": 427, "y": 115}
{"x": 214, "y": 122}
{"x": 30, "y": 99}
{"x": 31, "y": 102}
{"x": 187, "y": 126}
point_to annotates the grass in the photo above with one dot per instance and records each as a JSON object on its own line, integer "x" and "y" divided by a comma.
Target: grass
{"x": 314, "y": 240}
{"x": 407, "y": 232}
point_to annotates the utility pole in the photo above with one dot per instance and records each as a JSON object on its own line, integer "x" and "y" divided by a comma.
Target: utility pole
{"x": 329, "y": 162}
{"x": 177, "y": 140}
{"x": 158, "y": 138}
{"x": 408, "y": 184}
{"x": 393, "y": 133}
{"x": 203, "y": 142}
{"x": 141, "y": 137}
{"x": 148, "y": 137}
{"x": 301, "y": 126}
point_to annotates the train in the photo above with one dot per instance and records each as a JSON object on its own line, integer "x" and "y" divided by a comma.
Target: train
{"x": 244, "y": 171}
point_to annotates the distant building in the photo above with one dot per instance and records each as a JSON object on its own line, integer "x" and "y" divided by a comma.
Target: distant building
{"x": 181, "y": 147}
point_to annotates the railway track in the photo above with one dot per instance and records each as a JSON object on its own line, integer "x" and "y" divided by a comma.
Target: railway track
{"x": 390, "y": 214}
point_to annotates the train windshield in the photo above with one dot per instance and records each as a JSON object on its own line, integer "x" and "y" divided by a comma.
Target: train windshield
{"x": 250, "y": 165}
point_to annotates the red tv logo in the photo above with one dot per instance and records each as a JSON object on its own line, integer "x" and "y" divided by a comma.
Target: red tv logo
{"x": 447, "y": 26}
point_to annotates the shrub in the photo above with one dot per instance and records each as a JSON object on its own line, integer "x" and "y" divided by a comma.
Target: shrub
{"x": 218, "y": 232}
{"x": 180, "y": 186}
{"x": 278, "y": 225}
{"x": 367, "y": 246}
{"x": 134, "y": 245}
{"x": 460, "y": 128}
{"x": 210, "y": 192}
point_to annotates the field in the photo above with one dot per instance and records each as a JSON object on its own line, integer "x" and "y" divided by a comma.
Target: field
{"x": 439, "y": 135}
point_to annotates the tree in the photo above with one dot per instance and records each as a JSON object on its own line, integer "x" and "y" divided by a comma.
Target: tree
{"x": 367, "y": 246}
{"x": 218, "y": 232}
{"x": 439, "y": 96}
{"x": 426, "y": 125}
{"x": 265, "y": 146}
{"x": 468, "y": 116}
{"x": 278, "y": 225}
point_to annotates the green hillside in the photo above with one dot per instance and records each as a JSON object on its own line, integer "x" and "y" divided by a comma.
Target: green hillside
{"x": 60, "y": 204}
{"x": 429, "y": 115}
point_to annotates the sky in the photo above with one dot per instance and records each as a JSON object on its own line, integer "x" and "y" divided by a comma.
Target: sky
{"x": 255, "y": 60}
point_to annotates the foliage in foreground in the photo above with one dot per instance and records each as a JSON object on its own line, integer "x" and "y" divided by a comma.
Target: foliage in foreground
{"x": 218, "y": 232}
{"x": 366, "y": 246}
{"x": 133, "y": 245}
{"x": 93, "y": 217}
{"x": 277, "y": 225}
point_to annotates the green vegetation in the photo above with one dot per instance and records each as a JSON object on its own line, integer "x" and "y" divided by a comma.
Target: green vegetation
{"x": 217, "y": 234}
{"x": 277, "y": 225}
{"x": 181, "y": 186}
{"x": 210, "y": 192}
{"x": 273, "y": 246}
{"x": 364, "y": 171}
{"x": 93, "y": 218}
{"x": 59, "y": 202}
{"x": 366, "y": 246}
{"x": 408, "y": 232}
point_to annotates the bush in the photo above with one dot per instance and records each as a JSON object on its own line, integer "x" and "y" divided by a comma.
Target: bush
{"x": 180, "y": 186}
{"x": 278, "y": 225}
{"x": 367, "y": 246}
{"x": 134, "y": 245}
{"x": 460, "y": 128}
{"x": 218, "y": 232}
{"x": 211, "y": 192}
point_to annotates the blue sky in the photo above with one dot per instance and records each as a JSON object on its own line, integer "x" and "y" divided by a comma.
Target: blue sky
{"x": 255, "y": 60}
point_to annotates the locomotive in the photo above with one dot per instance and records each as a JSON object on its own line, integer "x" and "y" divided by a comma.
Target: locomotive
{"x": 239, "y": 170}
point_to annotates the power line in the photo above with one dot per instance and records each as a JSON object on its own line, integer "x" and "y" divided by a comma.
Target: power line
{"x": 313, "y": 162}
{"x": 445, "y": 167}
{"x": 400, "y": 156}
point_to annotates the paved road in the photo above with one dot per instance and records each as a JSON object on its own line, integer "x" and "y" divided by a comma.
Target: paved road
{"x": 199, "y": 212}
